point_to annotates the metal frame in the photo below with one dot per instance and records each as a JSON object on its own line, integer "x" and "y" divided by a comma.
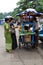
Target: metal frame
{"x": 32, "y": 40}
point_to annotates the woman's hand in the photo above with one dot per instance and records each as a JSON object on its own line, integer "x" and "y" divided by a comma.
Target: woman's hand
{"x": 12, "y": 27}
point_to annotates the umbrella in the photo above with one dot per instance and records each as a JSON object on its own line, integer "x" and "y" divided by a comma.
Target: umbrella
{"x": 18, "y": 14}
{"x": 8, "y": 17}
{"x": 24, "y": 12}
{"x": 31, "y": 10}
{"x": 21, "y": 13}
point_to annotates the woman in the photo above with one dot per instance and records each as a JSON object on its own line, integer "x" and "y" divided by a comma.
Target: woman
{"x": 7, "y": 34}
{"x": 13, "y": 35}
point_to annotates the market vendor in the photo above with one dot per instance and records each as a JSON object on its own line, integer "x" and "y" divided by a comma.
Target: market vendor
{"x": 36, "y": 28}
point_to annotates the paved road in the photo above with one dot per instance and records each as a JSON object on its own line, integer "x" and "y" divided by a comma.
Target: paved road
{"x": 19, "y": 56}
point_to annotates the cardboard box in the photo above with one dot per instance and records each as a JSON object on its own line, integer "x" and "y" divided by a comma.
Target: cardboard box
{"x": 27, "y": 38}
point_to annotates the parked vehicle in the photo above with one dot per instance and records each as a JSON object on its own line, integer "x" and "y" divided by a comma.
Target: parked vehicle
{"x": 2, "y": 21}
{"x": 41, "y": 33}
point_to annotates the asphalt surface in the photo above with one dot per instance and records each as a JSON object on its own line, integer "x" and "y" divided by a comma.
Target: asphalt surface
{"x": 19, "y": 56}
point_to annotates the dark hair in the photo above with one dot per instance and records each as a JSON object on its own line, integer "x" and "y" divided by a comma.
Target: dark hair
{"x": 6, "y": 19}
{"x": 11, "y": 24}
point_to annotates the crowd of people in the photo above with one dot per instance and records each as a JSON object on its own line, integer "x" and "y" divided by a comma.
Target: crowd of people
{"x": 10, "y": 32}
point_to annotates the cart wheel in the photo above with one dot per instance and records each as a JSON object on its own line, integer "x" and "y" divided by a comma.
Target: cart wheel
{"x": 27, "y": 45}
{"x": 19, "y": 46}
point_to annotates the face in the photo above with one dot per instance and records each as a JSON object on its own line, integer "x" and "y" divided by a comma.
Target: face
{"x": 7, "y": 21}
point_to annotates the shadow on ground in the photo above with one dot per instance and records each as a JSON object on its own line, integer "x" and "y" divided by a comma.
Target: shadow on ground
{"x": 41, "y": 45}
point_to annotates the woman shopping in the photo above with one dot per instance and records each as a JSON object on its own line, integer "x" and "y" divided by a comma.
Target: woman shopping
{"x": 13, "y": 34}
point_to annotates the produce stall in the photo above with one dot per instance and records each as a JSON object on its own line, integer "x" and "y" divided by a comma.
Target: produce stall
{"x": 27, "y": 36}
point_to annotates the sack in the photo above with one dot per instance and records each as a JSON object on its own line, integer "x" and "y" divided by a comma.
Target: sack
{"x": 17, "y": 34}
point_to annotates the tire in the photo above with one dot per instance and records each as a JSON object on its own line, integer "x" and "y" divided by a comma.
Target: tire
{"x": 41, "y": 38}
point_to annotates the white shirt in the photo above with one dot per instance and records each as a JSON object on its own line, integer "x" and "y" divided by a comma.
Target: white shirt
{"x": 37, "y": 25}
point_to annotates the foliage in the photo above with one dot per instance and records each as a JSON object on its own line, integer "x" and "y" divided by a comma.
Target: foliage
{"x": 1, "y": 15}
{"x": 15, "y": 11}
{"x": 37, "y": 4}
{"x": 23, "y": 5}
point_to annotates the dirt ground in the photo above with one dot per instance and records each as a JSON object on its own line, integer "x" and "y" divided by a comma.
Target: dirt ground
{"x": 19, "y": 56}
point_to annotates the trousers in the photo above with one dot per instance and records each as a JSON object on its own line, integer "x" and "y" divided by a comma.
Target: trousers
{"x": 14, "y": 41}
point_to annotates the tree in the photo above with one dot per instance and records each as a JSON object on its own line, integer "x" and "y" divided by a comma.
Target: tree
{"x": 15, "y": 11}
{"x": 24, "y": 4}
{"x": 1, "y": 16}
{"x": 36, "y": 4}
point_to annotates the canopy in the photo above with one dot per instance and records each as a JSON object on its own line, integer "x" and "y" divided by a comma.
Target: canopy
{"x": 32, "y": 12}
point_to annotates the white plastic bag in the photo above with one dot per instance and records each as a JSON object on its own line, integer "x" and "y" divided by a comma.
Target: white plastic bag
{"x": 17, "y": 35}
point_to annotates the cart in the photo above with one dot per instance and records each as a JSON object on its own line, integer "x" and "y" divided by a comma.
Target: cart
{"x": 24, "y": 15}
{"x": 23, "y": 33}
{"x": 41, "y": 34}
